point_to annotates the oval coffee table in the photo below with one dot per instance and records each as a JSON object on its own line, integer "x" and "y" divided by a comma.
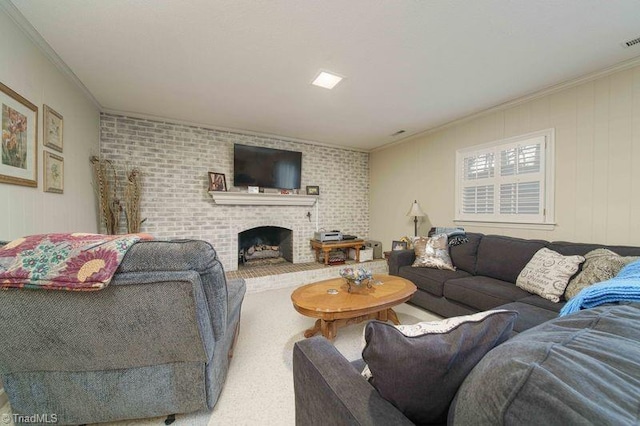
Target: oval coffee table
{"x": 344, "y": 308}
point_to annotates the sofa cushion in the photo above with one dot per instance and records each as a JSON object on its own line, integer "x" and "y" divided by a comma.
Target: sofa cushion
{"x": 482, "y": 293}
{"x": 432, "y": 252}
{"x": 579, "y": 369}
{"x": 419, "y": 368}
{"x": 548, "y": 273}
{"x": 428, "y": 279}
{"x": 568, "y": 248}
{"x": 529, "y": 315}
{"x": 542, "y": 303}
{"x": 464, "y": 255}
{"x": 504, "y": 257}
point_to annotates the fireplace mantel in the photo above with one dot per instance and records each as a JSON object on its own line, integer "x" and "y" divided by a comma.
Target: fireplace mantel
{"x": 246, "y": 199}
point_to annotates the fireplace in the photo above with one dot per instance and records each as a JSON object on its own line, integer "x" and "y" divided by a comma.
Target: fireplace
{"x": 265, "y": 245}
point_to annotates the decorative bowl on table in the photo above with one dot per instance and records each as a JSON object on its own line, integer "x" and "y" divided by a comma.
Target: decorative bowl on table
{"x": 358, "y": 279}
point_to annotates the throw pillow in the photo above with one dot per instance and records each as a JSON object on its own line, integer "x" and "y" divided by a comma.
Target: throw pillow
{"x": 419, "y": 368}
{"x": 548, "y": 273}
{"x": 600, "y": 265}
{"x": 432, "y": 252}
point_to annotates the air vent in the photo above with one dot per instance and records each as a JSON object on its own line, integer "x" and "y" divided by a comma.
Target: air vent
{"x": 630, "y": 43}
{"x": 399, "y": 132}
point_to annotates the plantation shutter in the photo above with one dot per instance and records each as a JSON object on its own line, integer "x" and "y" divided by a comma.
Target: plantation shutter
{"x": 503, "y": 183}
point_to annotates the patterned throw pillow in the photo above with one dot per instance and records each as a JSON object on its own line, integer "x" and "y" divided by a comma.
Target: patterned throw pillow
{"x": 600, "y": 265}
{"x": 548, "y": 273}
{"x": 432, "y": 252}
{"x": 418, "y": 368}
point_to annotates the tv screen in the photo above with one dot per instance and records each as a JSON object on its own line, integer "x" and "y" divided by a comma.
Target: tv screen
{"x": 266, "y": 167}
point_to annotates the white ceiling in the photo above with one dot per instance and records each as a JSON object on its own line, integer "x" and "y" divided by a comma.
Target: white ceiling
{"x": 409, "y": 64}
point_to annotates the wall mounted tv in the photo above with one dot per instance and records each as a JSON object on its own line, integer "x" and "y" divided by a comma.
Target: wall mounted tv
{"x": 266, "y": 167}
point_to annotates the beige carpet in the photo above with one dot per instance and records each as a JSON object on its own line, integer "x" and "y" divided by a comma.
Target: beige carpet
{"x": 259, "y": 387}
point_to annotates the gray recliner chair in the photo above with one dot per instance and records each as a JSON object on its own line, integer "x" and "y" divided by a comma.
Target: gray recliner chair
{"x": 157, "y": 341}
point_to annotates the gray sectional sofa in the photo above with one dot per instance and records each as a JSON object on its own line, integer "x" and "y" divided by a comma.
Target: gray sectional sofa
{"x": 156, "y": 341}
{"x": 487, "y": 267}
{"x": 579, "y": 369}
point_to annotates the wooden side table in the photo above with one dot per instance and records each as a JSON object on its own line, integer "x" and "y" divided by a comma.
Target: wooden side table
{"x": 327, "y": 246}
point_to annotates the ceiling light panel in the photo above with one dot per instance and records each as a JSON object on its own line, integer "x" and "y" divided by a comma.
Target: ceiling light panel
{"x": 327, "y": 80}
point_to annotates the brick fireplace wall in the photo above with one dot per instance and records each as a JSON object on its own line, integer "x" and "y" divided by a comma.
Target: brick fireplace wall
{"x": 174, "y": 160}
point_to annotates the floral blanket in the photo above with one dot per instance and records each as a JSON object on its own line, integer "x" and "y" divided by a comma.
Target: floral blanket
{"x": 74, "y": 262}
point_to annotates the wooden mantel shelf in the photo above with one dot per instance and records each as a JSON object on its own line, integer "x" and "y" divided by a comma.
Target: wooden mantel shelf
{"x": 244, "y": 198}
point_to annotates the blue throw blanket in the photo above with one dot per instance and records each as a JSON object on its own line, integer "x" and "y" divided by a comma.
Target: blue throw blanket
{"x": 624, "y": 287}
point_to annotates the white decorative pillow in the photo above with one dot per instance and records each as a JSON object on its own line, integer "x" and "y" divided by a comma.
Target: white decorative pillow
{"x": 432, "y": 252}
{"x": 548, "y": 273}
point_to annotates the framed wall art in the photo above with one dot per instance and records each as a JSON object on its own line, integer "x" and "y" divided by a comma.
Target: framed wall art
{"x": 52, "y": 129}
{"x": 19, "y": 160}
{"x": 53, "y": 173}
{"x": 313, "y": 190}
{"x": 217, "y": 182}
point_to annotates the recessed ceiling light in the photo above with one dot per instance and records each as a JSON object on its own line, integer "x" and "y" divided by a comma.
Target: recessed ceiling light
{"x": 326, "y": 80}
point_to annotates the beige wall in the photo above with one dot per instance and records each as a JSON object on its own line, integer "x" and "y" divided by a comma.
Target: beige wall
{"x": 23, "y": 210}
{"x": 597, "y": 168}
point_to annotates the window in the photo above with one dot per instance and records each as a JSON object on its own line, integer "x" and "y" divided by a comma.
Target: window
{"x": 507, "y": 181}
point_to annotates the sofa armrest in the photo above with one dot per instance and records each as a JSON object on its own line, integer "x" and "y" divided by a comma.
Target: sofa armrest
{"x": 329, "y": 390}
{"x": 398, "y": 258}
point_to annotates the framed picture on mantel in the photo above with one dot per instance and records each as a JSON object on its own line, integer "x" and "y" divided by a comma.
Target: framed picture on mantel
{"x": 313, "y": 190}
{"x": 217, "y": 182}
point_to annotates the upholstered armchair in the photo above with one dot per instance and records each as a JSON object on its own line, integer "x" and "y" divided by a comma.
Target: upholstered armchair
{"x": 156, "y": 341}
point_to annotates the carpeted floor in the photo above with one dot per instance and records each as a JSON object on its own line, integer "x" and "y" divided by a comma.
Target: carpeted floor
{"x": 259, "y": 387}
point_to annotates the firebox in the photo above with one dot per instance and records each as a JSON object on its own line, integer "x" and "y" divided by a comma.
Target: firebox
{"x": 265, "y": 245}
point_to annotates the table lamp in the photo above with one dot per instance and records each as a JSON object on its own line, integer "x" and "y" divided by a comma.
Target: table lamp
{"x": 416, "y": 212}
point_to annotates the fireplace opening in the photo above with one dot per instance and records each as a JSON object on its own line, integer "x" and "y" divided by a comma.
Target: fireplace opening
{"x": 265, "y": 245}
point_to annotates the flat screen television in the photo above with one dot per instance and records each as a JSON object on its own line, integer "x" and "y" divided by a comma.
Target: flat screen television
{"x": 266, "y": 167}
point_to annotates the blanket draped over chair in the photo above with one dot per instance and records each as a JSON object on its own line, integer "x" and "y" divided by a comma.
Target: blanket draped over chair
{"x": 624, "y": 287}
{"x": 75, "y": 262}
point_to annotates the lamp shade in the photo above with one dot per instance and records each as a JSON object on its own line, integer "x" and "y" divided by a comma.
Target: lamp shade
{"x": 416, "y": 210}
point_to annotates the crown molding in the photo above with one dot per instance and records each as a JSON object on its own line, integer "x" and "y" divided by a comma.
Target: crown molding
{"x": 621, "y": 66}
{"x": 16, "y": 16}
{"x": 228, "y": 130}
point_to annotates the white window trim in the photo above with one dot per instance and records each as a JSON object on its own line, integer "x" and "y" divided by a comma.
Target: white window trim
{"x": 548, "y": 219}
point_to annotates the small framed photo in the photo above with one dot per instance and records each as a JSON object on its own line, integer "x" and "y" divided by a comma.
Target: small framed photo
{"x": 313, "y": 190}
{"x": 52, "y": 129}
{"x": 217, "y": 182}
{"x": 53, "y": 173}
{"x": 399, "y": 245}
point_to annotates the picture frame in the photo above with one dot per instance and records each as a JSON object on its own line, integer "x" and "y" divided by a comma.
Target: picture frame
{"x": 19, "y": 139}
{"x": 217, "y": 181}
{"x": 53, "y": 129}
{"x": 398, "y": 245}
{"x": 53, "y": 171}
{"x": 313, "y": 190}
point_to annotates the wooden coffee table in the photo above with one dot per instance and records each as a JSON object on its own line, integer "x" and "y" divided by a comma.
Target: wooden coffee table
{"x": 344, "y": 308}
